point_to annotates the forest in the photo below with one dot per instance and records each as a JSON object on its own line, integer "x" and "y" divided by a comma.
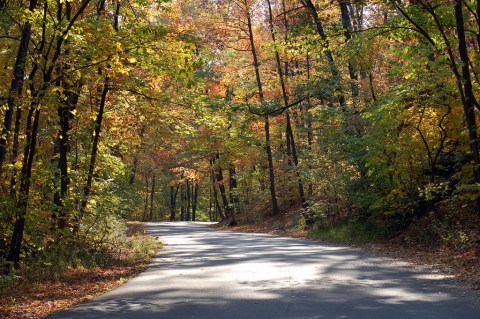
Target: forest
{"x": 344, "y": 112}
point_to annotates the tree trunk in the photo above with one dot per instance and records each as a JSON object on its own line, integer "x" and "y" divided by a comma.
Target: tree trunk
{"x": 173, "y": 202}
{"x": 218, "y": 208}
{"x": 133, "y": 171}
{"x": 223, "y": 194}
{"x": 290, "y": 136}
{"x": 189, "y": 200}
{"x": 96, "y": 139}
{"x": 234, "y": 188}
{"x": 98, "y": 128}
{"x": 182, "y": 202}
{"x": 194, "y": 201}
{"x": 145, "y": 206}
{"x": 268, "y": 148}
{"x": 152, "y": 194}
{"x": 16, "y": 86}
{"x": 135, "y": 159}
{"x": 31, "y": 77}
{"x": 63, "y": 142}
{"x": 211, "y": 213}
{"x": 26, "y": 172}
{"x": 31, "y": 132}
{"x": 469, "y": 99}
{"x": 347, "y": 25}
{"x": 372, "y": 88}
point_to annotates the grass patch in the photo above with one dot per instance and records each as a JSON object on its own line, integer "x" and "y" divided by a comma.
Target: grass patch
{"x": 347, "y": 233}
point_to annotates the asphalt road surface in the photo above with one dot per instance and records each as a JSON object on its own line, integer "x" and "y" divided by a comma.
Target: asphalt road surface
{"x": 204, "y": 273}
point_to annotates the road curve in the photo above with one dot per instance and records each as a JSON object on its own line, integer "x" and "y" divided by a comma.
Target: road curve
{"x": 206, "y": 274}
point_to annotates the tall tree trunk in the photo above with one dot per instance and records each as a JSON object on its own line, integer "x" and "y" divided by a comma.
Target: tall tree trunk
{"x": 173, "y": 201}
{"x": 65, "y": 116}
{"x": 145, "y": 206}
{"x": 96, "y": 140}
{"x": 291, "y": 138}
{"x": 25, "y": 175}
{"x": 194, "y": 201}
{"x": 31, "y": 138}
{"x": 182, "y": 202}
{"x": 372, "y": 88}
{"x": 469, "y": 100}
{"x": 98, "y": 128}
{"x": 152, "y": 194}
{"x": 218, "y": 209}
{"x": 211, "y": 213}
{"x": 309, "y": 126}
{"x": 233, "y": 185}
{"x": 135, "y": 159}
{"x": 223, "y": 194}
{"x": 268, "y": 148}
{"x": 189, "y": 200}
{"x": 15, "y": 150}
{"x": 133, "y": 172}
{"x": 31, "y": 133}
{"x": 18, "y": 117}
{"x": 347, "y": 25}
{"x": 301, "y": 191}
{"x": 63, "y": 142}
{"x": 16, "y": 86}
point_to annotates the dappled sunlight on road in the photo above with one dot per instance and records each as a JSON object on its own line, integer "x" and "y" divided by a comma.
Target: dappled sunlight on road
{"x": 205, "y": 273}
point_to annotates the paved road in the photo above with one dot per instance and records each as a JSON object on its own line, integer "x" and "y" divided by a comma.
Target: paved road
{"x": 206, "y": 274}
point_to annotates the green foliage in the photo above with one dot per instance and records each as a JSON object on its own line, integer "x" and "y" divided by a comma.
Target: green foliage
{"x": 348, "y": 233}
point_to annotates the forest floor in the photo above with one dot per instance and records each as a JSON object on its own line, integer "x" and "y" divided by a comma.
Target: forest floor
{"x": 47, "y": 294}
{"x": 463, "y": 262}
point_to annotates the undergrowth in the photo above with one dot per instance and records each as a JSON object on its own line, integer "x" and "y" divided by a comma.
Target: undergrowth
{"x": 347, "y": 232}
{"x": 127, "y": 246}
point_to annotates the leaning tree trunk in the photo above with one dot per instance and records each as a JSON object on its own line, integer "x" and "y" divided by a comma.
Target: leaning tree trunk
{"x": 16, "y": 86}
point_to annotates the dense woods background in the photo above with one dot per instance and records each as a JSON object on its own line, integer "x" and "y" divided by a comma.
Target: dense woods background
{"x": 345, "y": 112}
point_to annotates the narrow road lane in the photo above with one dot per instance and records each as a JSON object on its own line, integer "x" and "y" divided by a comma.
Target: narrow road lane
{"x": 206, "y": 274}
